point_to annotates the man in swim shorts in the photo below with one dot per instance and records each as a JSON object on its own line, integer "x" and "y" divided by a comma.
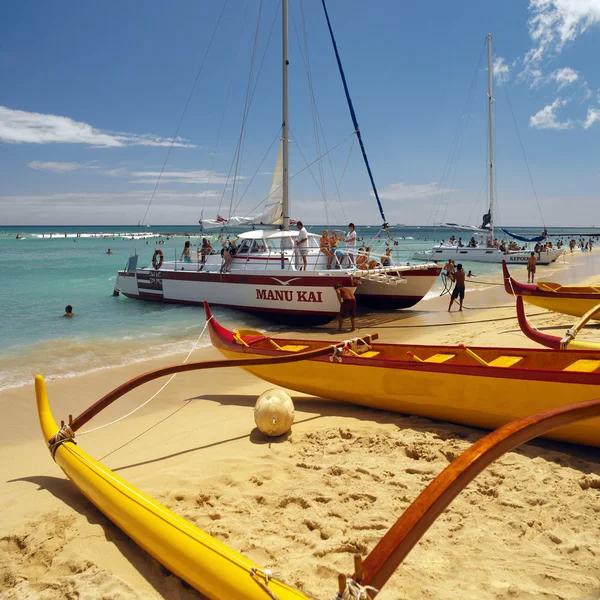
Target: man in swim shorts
{"x": 531, "y": 263}
{"x": 347, "y": 305}
{"x": 459, "y": 287}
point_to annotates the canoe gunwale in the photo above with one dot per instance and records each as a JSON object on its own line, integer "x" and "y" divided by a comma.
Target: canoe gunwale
{"x": 224, "y": 339}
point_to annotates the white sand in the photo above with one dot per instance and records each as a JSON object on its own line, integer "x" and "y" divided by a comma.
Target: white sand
{"x": 528, "y": 527}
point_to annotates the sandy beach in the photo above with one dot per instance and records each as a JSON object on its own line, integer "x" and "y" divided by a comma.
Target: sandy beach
{"x": 302, "y": 505}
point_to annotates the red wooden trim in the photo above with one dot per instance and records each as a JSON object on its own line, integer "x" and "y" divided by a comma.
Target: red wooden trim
{"x": 225, "y": 340}
{"x": 391, "y": 550}
{"x": 550, "y": 341}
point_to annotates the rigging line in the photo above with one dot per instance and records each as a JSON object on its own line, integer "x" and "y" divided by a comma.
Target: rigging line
{"x": 458, "y": 149}
{"x": 277, "y": 136}
{"x": 524, "y": 155}
{"x": 254, "y": 88}
{"x": 214, "y": 156}
{"x": 246, "y": 107}
{"x": 240, "y": 142}
{"x": 304, "y": 169}
{"x": 313, "y": 102}
{"x": 353, "y": 114}
{"x": 318, "y": 125}
{"x": 174, "y": 139}
{"x": 457, "y": 134}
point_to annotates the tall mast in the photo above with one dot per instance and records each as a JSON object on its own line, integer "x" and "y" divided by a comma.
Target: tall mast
{"x": 490, "y": 103}
{"x": 285, "y": 126}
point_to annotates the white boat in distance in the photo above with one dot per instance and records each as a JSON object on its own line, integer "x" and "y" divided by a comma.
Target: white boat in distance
{"x": 265, "y": 275}
{"x": 484, "y": 250}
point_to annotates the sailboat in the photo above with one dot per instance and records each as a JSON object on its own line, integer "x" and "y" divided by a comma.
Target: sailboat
{"x": 484, "y": 250}
{"x": 266, "y": 274}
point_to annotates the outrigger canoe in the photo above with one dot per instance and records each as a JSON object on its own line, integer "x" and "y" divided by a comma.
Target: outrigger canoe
{"x": 569, "y": 300}
{"x": 567, "y": 342}
{"x": 474, "y": 386}
{"x": 219, "y": 572}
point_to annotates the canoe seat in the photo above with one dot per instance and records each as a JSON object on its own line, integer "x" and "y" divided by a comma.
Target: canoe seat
{"x": 369, "y": 354}
{"x": 499, "y": 361}
{"x": 247, "y": 337}
{"x": 583, "y": 365}
{"x": 293, "y": 348}
{"x": 439, "y": 358}
{"x": 505, "y": 361}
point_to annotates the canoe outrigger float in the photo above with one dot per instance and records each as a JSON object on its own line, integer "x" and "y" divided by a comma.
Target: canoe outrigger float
{"x": 569, "y": 300}
{"x": 475, "y": 386}
{"x": 568, "y": 341}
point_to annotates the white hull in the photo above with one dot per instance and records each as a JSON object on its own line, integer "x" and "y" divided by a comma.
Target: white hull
{"x": 270, "y": 282}
{"x": 489, "y": 255}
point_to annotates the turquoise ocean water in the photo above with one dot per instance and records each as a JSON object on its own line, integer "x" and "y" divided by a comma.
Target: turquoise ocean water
{"x": 41, "y": 275}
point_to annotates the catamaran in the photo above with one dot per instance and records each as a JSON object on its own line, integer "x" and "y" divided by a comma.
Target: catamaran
{"x": 484, "y": 249}
{"x": 266, "y": 273}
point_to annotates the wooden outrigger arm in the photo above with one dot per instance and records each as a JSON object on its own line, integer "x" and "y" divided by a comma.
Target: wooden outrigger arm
{"x": 108, "y": 399}
{"x": 391, "y": 550}
{"x": 552, "y": 341}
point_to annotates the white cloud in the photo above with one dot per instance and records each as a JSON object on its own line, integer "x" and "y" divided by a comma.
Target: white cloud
{"x": 554, "y": 23}
{"x": 500, "y": 70}
{"x": 21, "y": 127}
{"x": 170, "y": 206}
{"x": 54, "y": 167}
{"x": 118, "y": 172}
{"x": 593, "y": 115}
{"x": 547, "y": 119}
{"x": 202, "y": 176}
{"x": 565, "y": 76}
{"x": 407, "y": 191}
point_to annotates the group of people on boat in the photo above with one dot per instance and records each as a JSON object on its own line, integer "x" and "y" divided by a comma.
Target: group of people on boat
{"x": 336, "y": 257}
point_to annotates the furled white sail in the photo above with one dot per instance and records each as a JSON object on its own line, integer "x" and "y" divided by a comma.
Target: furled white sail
{"x": 273, "y": 211}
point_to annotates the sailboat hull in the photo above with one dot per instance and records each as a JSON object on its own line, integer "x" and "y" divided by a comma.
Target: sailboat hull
{"x": 459, "y": 390}
{"x": 257, "y": 283}
{"x": 488, "y": 255}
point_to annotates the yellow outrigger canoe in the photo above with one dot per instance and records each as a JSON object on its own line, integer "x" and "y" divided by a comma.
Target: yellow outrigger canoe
{"x": 476, "y": 386}
{"x": 569, "y": 300}
{"x": 219, "y": 572}
{"x": 206, "y": 564}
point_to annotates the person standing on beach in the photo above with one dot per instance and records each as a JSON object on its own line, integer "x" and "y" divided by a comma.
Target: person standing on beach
{"x": 531, "y": 263}
{"x": 347, "y": 305}
{"x": 459, "y": 287}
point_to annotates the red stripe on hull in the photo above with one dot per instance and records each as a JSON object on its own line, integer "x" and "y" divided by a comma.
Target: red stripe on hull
{"x": 279, "y": 315}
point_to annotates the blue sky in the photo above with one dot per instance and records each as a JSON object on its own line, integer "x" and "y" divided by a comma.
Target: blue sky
{"x": 92, "y": 95}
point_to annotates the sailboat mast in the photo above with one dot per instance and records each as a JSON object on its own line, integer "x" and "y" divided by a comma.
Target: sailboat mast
{"x": 285, "y": 126}
{"x": 491, "y": 123}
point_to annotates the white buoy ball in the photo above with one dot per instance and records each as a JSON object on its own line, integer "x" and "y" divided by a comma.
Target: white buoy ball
{"x": 274, "y": 412}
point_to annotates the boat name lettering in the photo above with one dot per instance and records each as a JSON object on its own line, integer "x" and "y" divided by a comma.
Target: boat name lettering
{"x": 518, "y": 258}
{"x": 288, "y": 295}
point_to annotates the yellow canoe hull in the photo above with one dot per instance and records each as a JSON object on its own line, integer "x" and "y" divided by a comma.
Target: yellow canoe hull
{"x": 480, "y": 401}
{"x": 576, "y": 307}
{"x": 206, "y": 564}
